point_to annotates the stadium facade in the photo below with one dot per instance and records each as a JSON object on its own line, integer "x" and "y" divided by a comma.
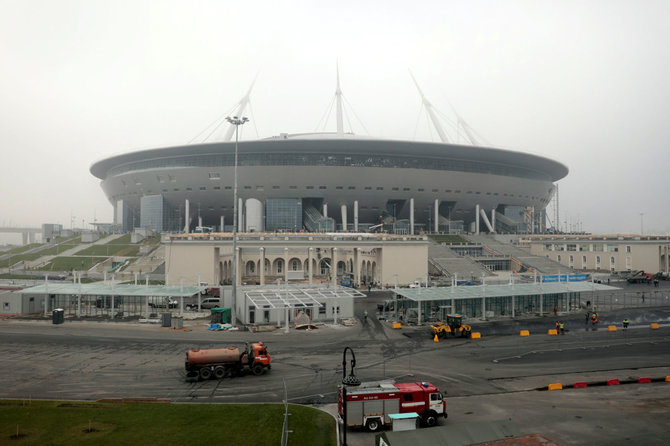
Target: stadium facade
{"x": 330, "y": 182}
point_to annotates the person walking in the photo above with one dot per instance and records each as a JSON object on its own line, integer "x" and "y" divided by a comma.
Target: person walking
{"x": 365, "y": 316}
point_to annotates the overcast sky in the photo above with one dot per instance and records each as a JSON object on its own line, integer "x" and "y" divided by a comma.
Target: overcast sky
{"x": 583, "y": 82}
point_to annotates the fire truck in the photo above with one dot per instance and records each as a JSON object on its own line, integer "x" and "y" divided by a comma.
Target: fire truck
{"x": 370, "y": 404}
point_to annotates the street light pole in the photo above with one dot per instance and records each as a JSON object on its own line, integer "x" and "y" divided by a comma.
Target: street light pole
{"x": 237, "y": 122}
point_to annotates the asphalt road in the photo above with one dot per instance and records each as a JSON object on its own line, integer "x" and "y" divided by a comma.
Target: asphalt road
{"x": 497, "y": 377}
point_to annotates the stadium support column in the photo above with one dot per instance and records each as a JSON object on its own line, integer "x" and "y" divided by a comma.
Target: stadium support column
{"x": 411, "y": 216}
{"x": 222, "y": 226}
{"x": 310, "y": 253}
{"x": 344, "y": 217}
{"x": 262, "y": 267}
{"x": 355, "y": 215}
{"x": 325, "y": 210}
{"x": 333, "y": 267}
{"x": 437, "y": 216}
{"x": 187, "y": 217}
{"x": 477, "y": 219}
{"x": 493, "y": 219}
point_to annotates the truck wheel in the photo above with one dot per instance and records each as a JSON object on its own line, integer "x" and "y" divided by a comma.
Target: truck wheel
{"x": 205, "y": 373}
{"x": 430, "y": 419}
{"x": 257, "y": 369}
{"x": 373, "y": 425}
{"x": 219, "y": 372}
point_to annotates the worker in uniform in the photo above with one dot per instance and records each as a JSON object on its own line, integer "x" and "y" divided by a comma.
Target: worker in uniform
{"x": 625, "y": 323}
{"x": 558, "y": 326}
{"x": 594, "y": 320}
{"x": 561, "y": 328}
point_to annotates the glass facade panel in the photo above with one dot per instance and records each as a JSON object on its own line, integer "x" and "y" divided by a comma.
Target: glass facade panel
{"x": 153, "y": 212}
{"x": 283, "y": 214}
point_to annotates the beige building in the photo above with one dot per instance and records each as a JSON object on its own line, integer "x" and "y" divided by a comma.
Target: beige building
{"x": 301, "y": 258}
{"x": 589, "y": 252}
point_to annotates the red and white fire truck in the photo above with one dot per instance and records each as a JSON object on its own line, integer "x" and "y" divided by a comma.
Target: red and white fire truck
{"x": 371, "y": 403}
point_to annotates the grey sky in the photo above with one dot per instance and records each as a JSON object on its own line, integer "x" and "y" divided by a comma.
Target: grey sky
{"x": 582, "y": 82}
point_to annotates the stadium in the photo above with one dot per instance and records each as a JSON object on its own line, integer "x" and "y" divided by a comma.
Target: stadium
{"x": 324, "y": 183}
{"x": 329, "y": 182}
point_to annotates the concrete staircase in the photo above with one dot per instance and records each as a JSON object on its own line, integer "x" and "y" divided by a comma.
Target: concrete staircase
{"x": 451, "y": 264}
{"x": 541, "y": 264}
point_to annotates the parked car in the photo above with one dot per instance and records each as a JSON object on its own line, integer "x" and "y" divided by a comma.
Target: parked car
{"x": 165, "y": 302}
{"x": 210, "y": 302}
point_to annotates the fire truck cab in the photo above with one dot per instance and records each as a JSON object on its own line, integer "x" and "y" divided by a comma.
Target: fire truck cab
{"x": 370, "y": 404}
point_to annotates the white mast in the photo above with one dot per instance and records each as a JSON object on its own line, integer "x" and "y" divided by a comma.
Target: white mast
{"x": 338, "y": 98}
{"x": 431, "y": 113}
{"x": 242, "y": 105}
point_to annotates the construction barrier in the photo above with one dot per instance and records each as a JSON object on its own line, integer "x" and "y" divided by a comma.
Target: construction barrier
{"x": 579, "y": 384}
{"x": 552, "y": 331}
{"x": 524, "y": 333}
{"x": 476, "y": 335}
{"x": 667, "y": 379}
{"x": 654, "y": 326}
{"x": 436, "y": 339}
{"x": 644, "y": 380}
{"x": 397, "y": 325}
{"x": 613, "y": 382}
{"x": 611, "y": 328}
{"x": 556, "y": 386}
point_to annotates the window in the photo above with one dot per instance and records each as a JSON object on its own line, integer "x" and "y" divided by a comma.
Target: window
{"x": 352, "y": 187}
{"x": 380, "y": 188}
{"x": 247, "y": 187}
{"x": 214, "y": 176}
{"x": 275, "y": 187}
{"x": 368, "y": 187}
{"x": 217, "y": 187}
{"x": 228, "y": 187}
{"x": 420, "y": 189}
{"x": 203, "y": 188}
{"x": 309, "y": 187}
{"x": 395, "y": 188}
{"x": 627, "y": 248}
{"x": 323, "y": 187}
{"x": 189, "y": 188}
{"x": 339, "y": 187}
{"x": 407, "y": 397}
{"x": 293, "y": 187}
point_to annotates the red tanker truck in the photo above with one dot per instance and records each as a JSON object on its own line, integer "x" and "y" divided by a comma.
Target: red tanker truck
{"x": 230, "y": 361}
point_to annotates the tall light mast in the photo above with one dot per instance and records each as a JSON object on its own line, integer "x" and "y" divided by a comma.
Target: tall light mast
{"x": 241, "y": 106}
{"x": 338, "y": 102}
{"x": 431, "y": 113}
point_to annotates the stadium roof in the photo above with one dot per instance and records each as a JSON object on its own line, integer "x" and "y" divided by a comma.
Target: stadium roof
{"x": 517, "y": 289}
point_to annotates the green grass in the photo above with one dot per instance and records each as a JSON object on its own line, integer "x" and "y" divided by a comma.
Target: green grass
{"x": 70, "y": 263}
{"x": 63, "y": 245}
{"x": 447, "y": 238}
{"x": 67, "y": 423}
{"x": 111, "y": 250}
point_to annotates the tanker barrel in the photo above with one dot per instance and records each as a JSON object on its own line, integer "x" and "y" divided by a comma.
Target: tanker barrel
{"x": 216, "y": 355}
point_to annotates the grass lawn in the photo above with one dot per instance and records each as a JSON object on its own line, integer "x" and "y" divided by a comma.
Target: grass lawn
{"x": 70, "y": 263}
{"x": 99, "y": 424}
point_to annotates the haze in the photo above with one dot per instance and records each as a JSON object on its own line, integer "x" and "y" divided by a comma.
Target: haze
{"x": 581, "y": 82}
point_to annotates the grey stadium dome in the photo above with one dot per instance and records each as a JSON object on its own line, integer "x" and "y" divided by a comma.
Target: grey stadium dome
{"x": 324, "y": 182}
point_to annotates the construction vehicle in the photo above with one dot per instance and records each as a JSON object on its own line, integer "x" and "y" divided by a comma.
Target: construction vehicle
{"x": 231, "y": 361}
{"x": 454, "y": 326}
{"x": 370, "y": 404}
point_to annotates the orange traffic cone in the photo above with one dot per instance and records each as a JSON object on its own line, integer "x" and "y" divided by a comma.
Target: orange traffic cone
{"x": 435, "y": 339}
